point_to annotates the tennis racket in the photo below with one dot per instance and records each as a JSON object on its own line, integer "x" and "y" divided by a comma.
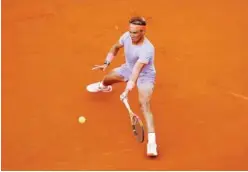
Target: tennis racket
{"x": 137, "y": 125}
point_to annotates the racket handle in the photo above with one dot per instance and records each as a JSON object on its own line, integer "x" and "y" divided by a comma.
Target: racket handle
{"x": 125, "y": 101}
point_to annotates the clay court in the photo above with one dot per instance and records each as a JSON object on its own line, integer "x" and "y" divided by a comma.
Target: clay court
{"x": 200, "y": 101}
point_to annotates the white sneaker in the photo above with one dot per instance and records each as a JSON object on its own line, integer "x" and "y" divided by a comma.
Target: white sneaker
{"x": 152, "y": 149}
{"x": 95, "y": 87}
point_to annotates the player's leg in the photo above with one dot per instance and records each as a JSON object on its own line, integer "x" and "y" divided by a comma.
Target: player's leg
{"x": 112, "y": 78}
{"x": 145, "y": 89}
{"x": 119, "y": 74}
{"x": 108, "y": 80}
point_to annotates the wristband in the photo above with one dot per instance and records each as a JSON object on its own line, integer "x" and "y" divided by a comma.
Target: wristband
{"x": 109, "y": 58}
{"x": 107, "y": 62}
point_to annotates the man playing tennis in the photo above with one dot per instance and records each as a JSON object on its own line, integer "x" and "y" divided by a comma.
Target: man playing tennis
{"x": 139, "y": 67}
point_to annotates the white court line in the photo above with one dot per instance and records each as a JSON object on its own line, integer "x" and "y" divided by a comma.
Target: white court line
{"x": 239, "y": 95}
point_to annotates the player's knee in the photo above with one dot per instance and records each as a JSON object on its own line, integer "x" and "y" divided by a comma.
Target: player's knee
{"x": 144, "y": 104}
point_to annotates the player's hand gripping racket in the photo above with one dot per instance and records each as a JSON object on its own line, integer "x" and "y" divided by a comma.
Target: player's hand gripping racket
{"x": 136, "y": 122}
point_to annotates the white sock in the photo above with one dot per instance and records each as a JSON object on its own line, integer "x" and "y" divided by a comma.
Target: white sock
{"x": 151, "y": 138}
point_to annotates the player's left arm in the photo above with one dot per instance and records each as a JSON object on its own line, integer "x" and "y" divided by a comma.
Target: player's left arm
{"x": 135, "y": 74}
{"x": 143, "y": 60}
{"x": 139, "y": 65}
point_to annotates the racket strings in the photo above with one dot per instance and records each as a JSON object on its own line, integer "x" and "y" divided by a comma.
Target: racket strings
{"x": 138, "y": 128}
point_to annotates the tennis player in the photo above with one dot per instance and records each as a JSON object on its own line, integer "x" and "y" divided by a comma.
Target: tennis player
{"x": 139, "y": 68}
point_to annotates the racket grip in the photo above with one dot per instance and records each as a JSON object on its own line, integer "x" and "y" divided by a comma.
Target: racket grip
{"x": 125, "y": 101}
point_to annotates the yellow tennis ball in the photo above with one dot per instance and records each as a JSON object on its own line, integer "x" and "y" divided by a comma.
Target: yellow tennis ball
{"x": 81, "y": 119}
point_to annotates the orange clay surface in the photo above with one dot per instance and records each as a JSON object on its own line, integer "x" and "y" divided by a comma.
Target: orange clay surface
{"x": 200, "y": 103}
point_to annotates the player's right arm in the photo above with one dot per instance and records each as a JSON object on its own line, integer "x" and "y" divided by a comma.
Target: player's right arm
{"x": 110, "y": 56}
{"x": 115, "y": 48}
{"x": 112, "y": 52}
